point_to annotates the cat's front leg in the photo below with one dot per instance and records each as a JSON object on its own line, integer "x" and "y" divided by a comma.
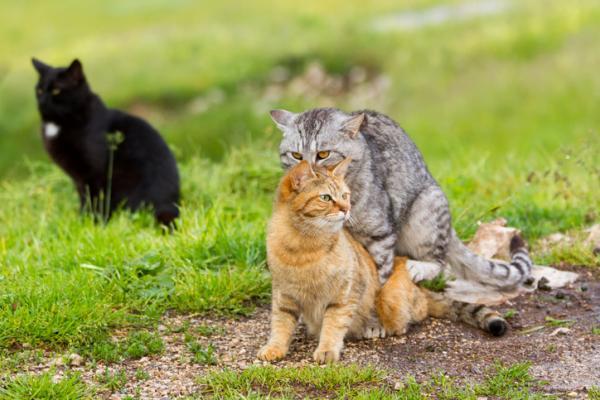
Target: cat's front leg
{"x": 284, "y": 317}
{"x": 382, "y": 249}
{"x": 336, "y": 322}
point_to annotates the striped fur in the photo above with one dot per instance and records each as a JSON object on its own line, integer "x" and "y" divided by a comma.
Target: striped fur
{"x": 398, "y": 207}
{"x": 401, "y": 303}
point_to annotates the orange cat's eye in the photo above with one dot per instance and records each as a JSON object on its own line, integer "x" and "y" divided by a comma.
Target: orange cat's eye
{"x": 55, "y": 92}
{"x": 325, "y": 197}
{"x": 297, "y": 155}
{"x": 322, "y": 155}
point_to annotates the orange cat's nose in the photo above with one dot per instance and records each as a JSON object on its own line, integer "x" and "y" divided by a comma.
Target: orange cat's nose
{"x": 344, "y": 207}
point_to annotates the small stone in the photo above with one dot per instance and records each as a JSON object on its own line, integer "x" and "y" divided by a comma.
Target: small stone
{"x": 560, "y": 331}
{"x": 572, "y": 394}
{"x": 560, "y": 295}
{"x": 75, "y": 360}
{"x": 398, "y": 386}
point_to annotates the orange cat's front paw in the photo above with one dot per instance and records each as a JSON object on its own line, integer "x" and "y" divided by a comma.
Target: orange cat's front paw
{"x": 326, "y": 356}
{"x": 271, "y": 353}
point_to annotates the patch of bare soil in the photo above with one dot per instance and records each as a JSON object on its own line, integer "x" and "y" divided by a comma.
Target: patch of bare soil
{"x": 550, "y": 329}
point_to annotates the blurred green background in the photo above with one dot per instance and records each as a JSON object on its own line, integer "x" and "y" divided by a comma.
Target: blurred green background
{"x": 467, "y": 80}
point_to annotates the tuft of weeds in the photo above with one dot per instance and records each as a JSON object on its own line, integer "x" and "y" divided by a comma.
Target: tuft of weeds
{"x": 136, "y": 345}
{"x": 112, "y": 380}
{"x": 44, "y": 387}
{"x": 204, "y": 355}
{"x": 437, "y": 284}
{"x": 142, "y": 343}
{"x": 207, "y": 330}
{"x": 141, "y": 375}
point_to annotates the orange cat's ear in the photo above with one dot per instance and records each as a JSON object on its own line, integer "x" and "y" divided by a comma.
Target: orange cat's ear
{"x": 341, "y": 168}
{"x": 300, "y": 174}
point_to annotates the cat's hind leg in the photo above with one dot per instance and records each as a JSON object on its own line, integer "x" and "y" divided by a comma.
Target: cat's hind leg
{"x": 427, "y": 231}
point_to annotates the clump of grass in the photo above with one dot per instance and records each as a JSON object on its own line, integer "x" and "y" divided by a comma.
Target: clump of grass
{"x": 43, "y": 387}
{"x": 141, "y": 375}
{"x": 207, "y": 330}
{"x": 136, "y": 345}
{"x": 511, "y": 313}
{"x": 312, "y": 381}
{"x": 204, "y": 355}
{"x": 112, "y": 380}
{"x": 437, "y": 284}
{"x": 142, "y": 343}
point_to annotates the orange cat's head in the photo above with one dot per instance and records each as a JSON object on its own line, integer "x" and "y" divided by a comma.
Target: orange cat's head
{"x": 319, "y": 199}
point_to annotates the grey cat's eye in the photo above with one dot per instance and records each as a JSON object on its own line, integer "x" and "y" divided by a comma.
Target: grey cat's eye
{"x": 325, "y": 197}
{"x": 40, "y": 91}
{"x": 296, "y": 155}
{"x": 55, "y": 92}
{"x": 323, "y": 155}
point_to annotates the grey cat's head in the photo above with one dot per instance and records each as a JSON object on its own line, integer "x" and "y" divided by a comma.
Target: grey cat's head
{"x": 322, "y": 136}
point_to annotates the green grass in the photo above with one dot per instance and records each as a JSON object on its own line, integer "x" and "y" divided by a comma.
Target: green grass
{"x": 352, "y": 382}
{"x": 42, "y": 387}
{"x": 112, "y": 380}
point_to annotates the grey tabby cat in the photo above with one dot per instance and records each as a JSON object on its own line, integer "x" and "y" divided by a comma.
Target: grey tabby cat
{"x": 397, "y": 206}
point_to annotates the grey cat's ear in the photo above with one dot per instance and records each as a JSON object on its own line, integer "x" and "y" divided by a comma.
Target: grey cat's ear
{"x": 282, "y": 118}
{"x": 300, "y": 174}
{"x": 75, "y": 71}
{"x": 341, "y": 168}
{"x": 39, "y": 66}
{"x": 352, "y": 125}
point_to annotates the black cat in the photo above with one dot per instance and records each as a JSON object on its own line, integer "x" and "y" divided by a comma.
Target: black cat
{"x": 115, "y": 159}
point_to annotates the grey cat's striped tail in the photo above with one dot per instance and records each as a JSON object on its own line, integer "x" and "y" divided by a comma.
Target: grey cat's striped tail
{"x": 477, "y": 315}
{"x": 466, "y": 264}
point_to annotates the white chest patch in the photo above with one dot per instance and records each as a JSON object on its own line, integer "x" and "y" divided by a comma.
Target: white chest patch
{"x": 51, "y": 130}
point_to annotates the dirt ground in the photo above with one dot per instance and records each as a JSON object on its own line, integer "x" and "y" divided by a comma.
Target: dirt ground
{"x": 568, "y": 359}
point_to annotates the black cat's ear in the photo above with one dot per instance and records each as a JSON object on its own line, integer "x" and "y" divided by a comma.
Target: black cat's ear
{"x": 39, "y": 66}
{"x": 75, "y": 71}
{"x": 352, "y": 125}
{"x": 283, "y": 119}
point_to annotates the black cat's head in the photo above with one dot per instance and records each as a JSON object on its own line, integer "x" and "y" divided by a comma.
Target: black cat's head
{"x": 60, "y": 91}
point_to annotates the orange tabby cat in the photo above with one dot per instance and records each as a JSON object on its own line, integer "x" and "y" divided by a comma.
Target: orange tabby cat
{"x": 320, "y": 273}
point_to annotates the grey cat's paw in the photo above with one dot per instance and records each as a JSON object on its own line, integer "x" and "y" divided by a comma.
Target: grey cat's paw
{"x": 420, "y": 270}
